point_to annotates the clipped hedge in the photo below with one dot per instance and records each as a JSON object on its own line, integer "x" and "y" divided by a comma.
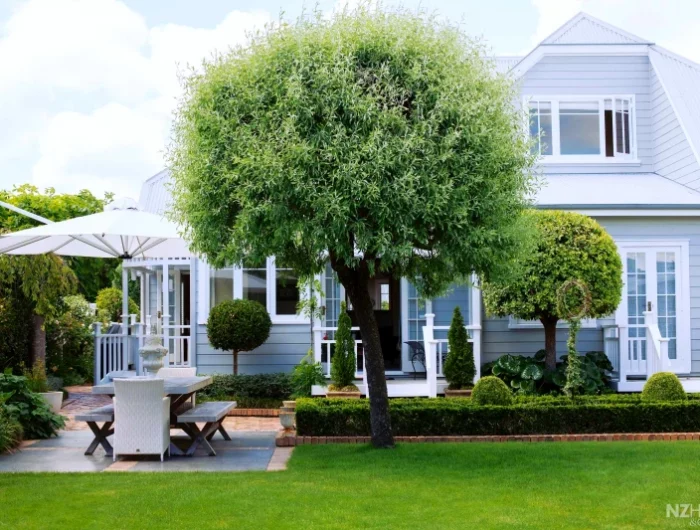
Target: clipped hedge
{"x": 250, "y": 391}
{"x": 458, "y": 417}
{"x": 663, "y": 386}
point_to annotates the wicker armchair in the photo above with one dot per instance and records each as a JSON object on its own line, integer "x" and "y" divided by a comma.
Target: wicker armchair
{"x": 142, "y": 417}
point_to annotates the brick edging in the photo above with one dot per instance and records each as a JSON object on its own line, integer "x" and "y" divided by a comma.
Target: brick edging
{"x": 291, "y": 439}
{"x": 267, "y": 413}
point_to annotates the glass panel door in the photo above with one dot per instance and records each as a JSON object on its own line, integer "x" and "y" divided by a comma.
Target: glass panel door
{"x": 636, "y": 281}
{"x": 652, "y": 277}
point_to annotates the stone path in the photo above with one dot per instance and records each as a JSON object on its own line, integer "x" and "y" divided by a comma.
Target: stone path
{"x": 252, "y": 447}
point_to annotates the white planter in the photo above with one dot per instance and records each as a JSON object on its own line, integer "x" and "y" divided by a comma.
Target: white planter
{"x": 152, "y": 354}
{"x": 54, "y": 399}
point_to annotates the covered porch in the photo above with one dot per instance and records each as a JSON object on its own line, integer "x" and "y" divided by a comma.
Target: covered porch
{"x": 167, "y": 305}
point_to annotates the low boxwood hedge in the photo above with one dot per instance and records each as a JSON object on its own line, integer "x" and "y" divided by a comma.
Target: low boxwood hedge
{"x": 457, "y": 417}
{"x": 249, "y": 391}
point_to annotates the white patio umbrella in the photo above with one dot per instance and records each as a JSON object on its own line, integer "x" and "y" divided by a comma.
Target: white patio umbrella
{"x": 120, "y": 231}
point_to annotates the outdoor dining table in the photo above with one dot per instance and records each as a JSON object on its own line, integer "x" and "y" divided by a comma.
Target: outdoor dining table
{"x": 179, "y": 389}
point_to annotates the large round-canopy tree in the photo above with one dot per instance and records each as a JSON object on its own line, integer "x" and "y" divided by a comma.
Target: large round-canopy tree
{"x": 568, "y": 246}
{"x": 373, "y": 140}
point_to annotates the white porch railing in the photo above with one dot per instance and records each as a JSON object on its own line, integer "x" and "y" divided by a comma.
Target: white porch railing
{"x": 118, "y": 351}
{"x": 641, "y": 355}
{"x": 436, "y": 350}
{"x": 657, "y": 346}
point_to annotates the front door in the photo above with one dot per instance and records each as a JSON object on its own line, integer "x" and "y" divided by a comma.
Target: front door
{"x": 655, "y": 279}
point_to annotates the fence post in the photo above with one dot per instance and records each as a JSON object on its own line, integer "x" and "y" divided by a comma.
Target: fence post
{"x": 430, "y": 355}
{"x": 98, "y": 354}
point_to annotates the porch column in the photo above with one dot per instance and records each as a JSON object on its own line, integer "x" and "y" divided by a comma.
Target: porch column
{"x": 165, "y": 303}
{"x": 125, "y": 319}
{"x": 430, "y": 355}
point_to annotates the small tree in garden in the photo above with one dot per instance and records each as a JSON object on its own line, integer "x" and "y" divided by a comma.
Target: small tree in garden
{"x": 373, "y": 140}
{"x": 238, "y": 325}
{"x": 109, "y": 305}
{"x": 459, "y": 366}
{"x": 568, "y": 246}
{"x": 343, "y": 362}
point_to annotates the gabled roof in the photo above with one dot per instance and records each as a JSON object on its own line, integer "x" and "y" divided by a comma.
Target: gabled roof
{"x": 585, "y": 29}
{"x": 680, "y": 79}
{"x": 154, "y": 195}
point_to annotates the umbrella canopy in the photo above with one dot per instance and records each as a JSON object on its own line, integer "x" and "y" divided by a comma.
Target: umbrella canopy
{"x": 121, "y": 231}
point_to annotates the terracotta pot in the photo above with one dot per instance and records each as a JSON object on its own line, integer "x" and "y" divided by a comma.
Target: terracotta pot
{"x": 344, "y": 395}
{"x": 463, "y": 393}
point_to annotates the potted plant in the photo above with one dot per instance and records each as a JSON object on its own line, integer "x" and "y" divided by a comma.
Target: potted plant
{"x": 343, "y": 362}
{"x": 39, "y": 384}
{"x": 459, "y": 365}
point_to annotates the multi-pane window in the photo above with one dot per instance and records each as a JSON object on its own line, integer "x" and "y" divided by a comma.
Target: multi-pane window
{"x": 579, "y": 127}
{"x": 255, "y": 284}
{"x": 286, "y": 291}
{"x": 220, "y": 285}
{"x": 583, "y": 127}
{"x": 275, "y": 287}
{"x": 541, "y": 127}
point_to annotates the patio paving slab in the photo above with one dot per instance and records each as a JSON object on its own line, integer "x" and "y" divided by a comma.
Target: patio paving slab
{"x": 247, "y": 451}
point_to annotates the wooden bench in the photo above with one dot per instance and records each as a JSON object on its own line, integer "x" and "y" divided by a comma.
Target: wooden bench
{"x": 212, "y": 414}
{"x": 104, "y": 415}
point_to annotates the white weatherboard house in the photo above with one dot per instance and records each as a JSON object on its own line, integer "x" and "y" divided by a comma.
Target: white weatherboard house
{"x": 621, "y": 122}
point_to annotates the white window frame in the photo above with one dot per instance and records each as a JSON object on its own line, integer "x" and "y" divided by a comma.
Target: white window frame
{"x": 618, "y": 158}
{"x": 270, "y": 294}
{"x": 519, "y": 323}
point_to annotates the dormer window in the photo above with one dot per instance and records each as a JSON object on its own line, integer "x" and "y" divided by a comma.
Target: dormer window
{"x": 571, "y": 129}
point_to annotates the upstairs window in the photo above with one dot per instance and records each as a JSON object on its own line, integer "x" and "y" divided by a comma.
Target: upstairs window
{"x": 582, "y": 129}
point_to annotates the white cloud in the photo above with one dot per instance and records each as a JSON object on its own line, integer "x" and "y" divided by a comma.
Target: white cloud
{"x": 88, "y": 90}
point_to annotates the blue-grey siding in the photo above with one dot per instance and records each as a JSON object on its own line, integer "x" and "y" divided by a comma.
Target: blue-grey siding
{"x": 287, "y": 344}
{"x": 597, "y": 76}
{"x": 673, "y": 156}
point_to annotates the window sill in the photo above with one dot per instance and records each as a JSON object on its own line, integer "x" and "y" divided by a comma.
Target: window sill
{"x": 593, "y": 161}
{"x": 289, "y": 319}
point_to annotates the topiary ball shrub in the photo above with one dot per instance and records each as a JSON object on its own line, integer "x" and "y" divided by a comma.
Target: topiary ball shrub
{"x": 490, "y": 390}
{"x": 238, "y": 325}
{"x": 663, "y": 386}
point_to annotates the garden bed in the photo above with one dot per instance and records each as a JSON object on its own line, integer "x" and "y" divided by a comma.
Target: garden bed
{"x": 527, "y": 416}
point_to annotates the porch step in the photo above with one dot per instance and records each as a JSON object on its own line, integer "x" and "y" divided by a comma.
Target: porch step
{"x": 690, "y": 384}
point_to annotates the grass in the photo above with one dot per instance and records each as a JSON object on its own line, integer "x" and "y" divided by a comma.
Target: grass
{"x": 521, "y": 485}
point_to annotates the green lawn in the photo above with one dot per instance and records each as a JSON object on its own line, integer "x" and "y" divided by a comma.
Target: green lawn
{"x": 506, "y": 485}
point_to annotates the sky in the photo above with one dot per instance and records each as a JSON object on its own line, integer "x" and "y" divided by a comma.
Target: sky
{"x": 88, "y": 87}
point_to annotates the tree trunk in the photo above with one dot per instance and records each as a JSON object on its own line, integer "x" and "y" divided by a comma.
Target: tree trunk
{"x": 235, "y": 362}
{"x": 38, "y": 346}
{"x": 550, "y": 342}
{"x": 356, "y": 283}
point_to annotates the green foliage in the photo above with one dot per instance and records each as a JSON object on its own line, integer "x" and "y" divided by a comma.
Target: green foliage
{"x": 10, "y": 428}
{"x": 109, "y": 305}
{"x": 371, "y": 133}
{"x": 528, "y": 375}
{"x": 575, "y": 380}
{"x": 569, "y": 245}
{"x": 445, "y": 417}
{"x": 15, "y": 330}
{"x": 92, "y": 273}
{"x": 663, "y": 386}
{"x": 343, "y": 361}
{"x": 238, "y": 325}
{"x": 29, "y": 408}
{"x": 490, "y": 390}
{"x": 36, "y": 377}
{"x": 459, "y": 366}
{"x": 264, "y": 388}
{"x": 69, "y": 342}
{"x": 307, "y": 374}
